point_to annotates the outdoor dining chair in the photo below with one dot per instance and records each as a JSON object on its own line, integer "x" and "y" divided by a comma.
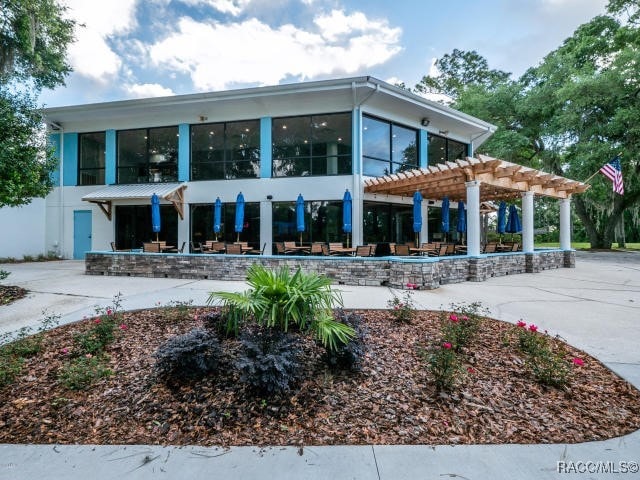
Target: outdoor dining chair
{"x": 234, "y": 249}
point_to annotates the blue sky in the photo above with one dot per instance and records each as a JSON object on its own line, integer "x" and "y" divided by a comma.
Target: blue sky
{"x": 145, "y": 48}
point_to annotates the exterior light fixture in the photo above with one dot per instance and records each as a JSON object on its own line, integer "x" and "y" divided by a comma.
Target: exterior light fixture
{"x": 425, "y": 122}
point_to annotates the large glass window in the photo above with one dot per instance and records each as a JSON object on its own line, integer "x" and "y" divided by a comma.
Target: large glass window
{"x": 442, "y": 149}
{"x": 133, "y": 225}
{"x": 225, "y": 150}
{"x": 322, "y": 219}
{"x": 202, "y": 223}
{"x": 148, "y": 155}
{"x": 384, "y": 222}
{"x": 387, "y": 147}
{"x": 91, "y": 158}
{"x": 312, "y": 145}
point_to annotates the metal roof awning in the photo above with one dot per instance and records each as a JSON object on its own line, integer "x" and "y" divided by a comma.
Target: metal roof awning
{"x": 171, "y": 192}
{"x": 499, "y": 180}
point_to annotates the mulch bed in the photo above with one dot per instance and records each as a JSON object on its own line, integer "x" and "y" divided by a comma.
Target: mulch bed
{"x": 10, "y": 294}
{"x": 391, "y": 401}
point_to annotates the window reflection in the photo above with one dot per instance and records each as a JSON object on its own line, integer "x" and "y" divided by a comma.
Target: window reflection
{"x": 225, "y": 150}
{"x": 148, "y": 155}
{"x": 91, "y": 161}
{"x": 387, "y": 147}
{"x": 312, "y": 145}
{"x": 202, "y": 223}
{"x": 323, "y": 222}
{"x": 442, "y": 149}
{"x": 384, "y": 222}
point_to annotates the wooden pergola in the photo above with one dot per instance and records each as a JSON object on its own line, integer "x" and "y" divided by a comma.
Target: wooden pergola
{"x": 499, "y": 180}
{"x": 482, "y": 179}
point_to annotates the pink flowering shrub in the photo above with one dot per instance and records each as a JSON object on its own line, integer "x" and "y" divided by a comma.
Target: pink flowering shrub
{"x": 461, "y": 327}
{"x": 445, "y": 365}
{"x": 402, "y": 309}
{"x": 547, "y": 366}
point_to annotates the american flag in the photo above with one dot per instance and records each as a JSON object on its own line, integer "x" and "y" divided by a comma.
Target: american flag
{"x": 613, "y": 171}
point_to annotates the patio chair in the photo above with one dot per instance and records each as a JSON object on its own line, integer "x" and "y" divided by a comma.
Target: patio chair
{"x": 451, "y": 249}
{"x": 402, "y": 250}
{"x": 441, "y": 251}
{"x": 335, "y": 248}
{"x": 363, "y": 251}
{"x": 515, "y": 247}
{"x": 490, "y": 247}
{"x": 196, "y": 247}
{"x": 392, "y": 248}
{"x": 234, "y": 249}
{"x": 325, "y": 249}
{"x": 255, "y": 251}
{"x": 280, "y": 248}
{"x": 316, "y": 248}
{"x": 151, "y": 247}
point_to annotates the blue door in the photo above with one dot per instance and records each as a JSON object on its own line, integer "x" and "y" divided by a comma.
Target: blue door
{"x": 81, "y": 233}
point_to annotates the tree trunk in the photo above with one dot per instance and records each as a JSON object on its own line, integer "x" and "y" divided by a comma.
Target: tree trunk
{"x": 595, "y": 238}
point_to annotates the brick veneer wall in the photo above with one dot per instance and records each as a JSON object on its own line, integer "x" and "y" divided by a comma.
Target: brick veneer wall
{"x": 427, "y": 273}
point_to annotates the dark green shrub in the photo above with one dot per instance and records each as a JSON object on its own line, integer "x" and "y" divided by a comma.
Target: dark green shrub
{"x": 4, "y": 274}
{"x": 349, "y": 356}
{"x": 268, "y": 362}
{"x": 549, "y": 368}
{"x": 189, "y": 356}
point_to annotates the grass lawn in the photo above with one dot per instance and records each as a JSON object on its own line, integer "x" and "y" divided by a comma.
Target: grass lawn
{"x": 584, "y": 245}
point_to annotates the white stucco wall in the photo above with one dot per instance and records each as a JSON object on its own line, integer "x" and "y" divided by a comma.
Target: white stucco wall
{"x": 23, "y": 230}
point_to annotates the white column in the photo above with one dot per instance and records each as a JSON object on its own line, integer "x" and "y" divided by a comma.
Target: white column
{"x": 357, "y": 195}
{"x": 266, "y": 226}
{"x": 473, "y": 218}
{"x": 527, "y": 222}
{"x": 183, "y": 228}
{"x": 565, "y": 224}
{"x": 424, "y": 232}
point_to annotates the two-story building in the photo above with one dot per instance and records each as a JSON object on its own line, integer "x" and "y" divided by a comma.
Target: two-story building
{"x": 317, "y": 139}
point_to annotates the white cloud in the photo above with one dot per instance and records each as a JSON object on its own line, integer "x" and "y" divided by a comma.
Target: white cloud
{"x": 219, "y": 55}
{"x": 90, "y": 55}
{"x": 234, "y": 7}
{"x": 144, "y": 90}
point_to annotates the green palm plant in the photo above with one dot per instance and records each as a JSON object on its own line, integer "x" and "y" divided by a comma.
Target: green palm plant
{"x": 278, "y": 299}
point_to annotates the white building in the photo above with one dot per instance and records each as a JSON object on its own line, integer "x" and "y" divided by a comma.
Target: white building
{"x": 317, "y": 139}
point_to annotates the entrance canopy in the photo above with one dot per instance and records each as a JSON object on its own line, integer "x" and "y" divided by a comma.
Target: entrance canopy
{"x": 171, "y": 192}
{"x": 499, "y": 180}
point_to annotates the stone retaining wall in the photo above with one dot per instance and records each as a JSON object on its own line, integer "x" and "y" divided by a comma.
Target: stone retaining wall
{"x": 397, "y": 272}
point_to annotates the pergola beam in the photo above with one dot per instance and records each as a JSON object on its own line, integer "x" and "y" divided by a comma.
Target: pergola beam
{"x": 498, "y": 180}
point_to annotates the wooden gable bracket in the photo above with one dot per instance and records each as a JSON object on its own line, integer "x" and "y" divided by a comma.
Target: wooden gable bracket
{"x": 105, "y": 206}
{"x": 177, "y": 199}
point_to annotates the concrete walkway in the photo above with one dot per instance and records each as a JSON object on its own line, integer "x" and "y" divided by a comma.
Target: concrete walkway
{"x": 595, "y": 306}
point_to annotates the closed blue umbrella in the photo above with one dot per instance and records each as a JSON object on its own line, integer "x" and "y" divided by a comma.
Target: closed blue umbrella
{"x": 461, "y": 226}
{"x": 239, "y": 224}
{"x": 513, "y": 224}
{"x": 346, "y": 214}
{"x": 444, "y": 226}
{"x": 217, "y": 217}
{"x": 417, "y": 215}
{"x": 502, "y": 218}
{"x": 155, "y": 214}
{"x": 300, "y": 215}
